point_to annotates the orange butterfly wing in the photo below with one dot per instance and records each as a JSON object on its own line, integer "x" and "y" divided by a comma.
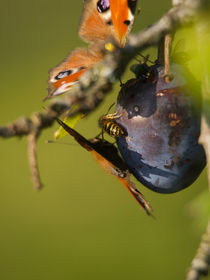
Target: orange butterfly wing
{"x": 102, "y": 154}
{"x": 122, "y": 17}
{"x": 125, "y": 181}
{"x": 95, "y": 26}
{"x": 78, "y": 61}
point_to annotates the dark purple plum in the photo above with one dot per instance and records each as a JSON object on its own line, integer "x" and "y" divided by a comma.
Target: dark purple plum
{"x": 162, "y": 121}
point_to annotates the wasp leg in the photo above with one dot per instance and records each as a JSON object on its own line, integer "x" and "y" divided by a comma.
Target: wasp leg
{"x": 101, "y": 135}
{"x": 115, "y": 115}
{"x": 114, "y": 143}
{"x": 98, "y": 135}
{"x": 121, "y": 83}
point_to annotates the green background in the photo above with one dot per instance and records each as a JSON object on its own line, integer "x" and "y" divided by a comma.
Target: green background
{"x": 83, "y": 224}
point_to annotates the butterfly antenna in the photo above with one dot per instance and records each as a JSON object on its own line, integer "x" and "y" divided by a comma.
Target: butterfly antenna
{"x": 60, "y": 143}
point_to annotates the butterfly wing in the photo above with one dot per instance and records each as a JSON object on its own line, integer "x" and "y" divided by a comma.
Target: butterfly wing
{"x": 98, "y": 150}
{"x": 96, "y": 24}
{"x": 131, "y": 188}
{"x": 68, "y": 72}
{"x": 78, "y": 137}
{"x": 122, "y": 12}
{"x": 124, "y": 178}
{"x": 101, "y": 19}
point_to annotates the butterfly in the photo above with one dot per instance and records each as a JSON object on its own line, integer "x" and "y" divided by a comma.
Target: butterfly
{"x": 101, "y": 20}
{"x": 106, "y": 154}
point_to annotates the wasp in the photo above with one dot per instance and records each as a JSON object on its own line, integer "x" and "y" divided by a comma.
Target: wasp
{"x": 108, "y": 124}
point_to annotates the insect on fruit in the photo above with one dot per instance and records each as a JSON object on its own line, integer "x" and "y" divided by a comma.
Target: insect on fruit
{"x": 108, "y": 124}
{"x": 162, "y": 121}
{"x": 106, "y": 154}
{"x": 141, "y": 70}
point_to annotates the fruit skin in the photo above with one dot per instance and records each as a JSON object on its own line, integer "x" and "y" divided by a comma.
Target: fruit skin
{"x": 163, "y": 125}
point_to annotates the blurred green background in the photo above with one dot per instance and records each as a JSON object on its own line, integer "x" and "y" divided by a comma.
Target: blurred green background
{"x": 83, "y": 224}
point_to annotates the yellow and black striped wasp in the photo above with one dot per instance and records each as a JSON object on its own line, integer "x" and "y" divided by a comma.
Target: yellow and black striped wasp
{"x": 108, "y": 124}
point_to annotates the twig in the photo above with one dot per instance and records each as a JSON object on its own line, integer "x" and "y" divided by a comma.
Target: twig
{"x": 203, "y": 31}
{"x": 96, "y": 83}
{"x": 183, "y": 14}
{"x": 167, "y": 49}
{"x": 201, "y": 261}
{"x": 91, "y": 89}
{"x": 205, "y": 140}
{"x": 33, "y": 161}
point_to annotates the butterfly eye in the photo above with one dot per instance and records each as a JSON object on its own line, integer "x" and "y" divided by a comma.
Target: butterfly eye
{"x": 102, "y": 6}
{"x": 63, "y": 74}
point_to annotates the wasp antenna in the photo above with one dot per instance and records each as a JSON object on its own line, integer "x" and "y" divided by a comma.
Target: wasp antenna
{"x": 110, "y": 107}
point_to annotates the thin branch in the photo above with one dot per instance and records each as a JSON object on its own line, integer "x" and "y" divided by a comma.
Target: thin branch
{"x": 180, "y": 15}
{"x": 93, "y": 86}
{"x": 167, "y": 72}
{"x": 205, "y": 138}
{"x": 203, "y": 31}
{"x": 90, "y": 91}
{"x": 24, "y": 126}
{"x": 201, "y": 261}
{"x": 33, "y": 161}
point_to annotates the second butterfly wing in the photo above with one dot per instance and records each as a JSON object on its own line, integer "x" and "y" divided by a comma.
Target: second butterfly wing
{"x": 122, "y": 12}
{"x": 103, "y": 19}
{"x": 107, "y": 156}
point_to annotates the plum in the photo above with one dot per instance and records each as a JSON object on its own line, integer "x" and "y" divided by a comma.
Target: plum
{"x": 162, "y": 121}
